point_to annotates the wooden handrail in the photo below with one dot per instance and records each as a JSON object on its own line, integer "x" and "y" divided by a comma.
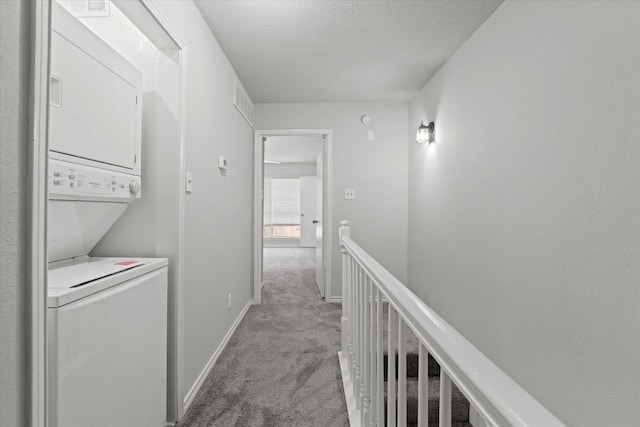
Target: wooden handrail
{"x": 499, "y": 400}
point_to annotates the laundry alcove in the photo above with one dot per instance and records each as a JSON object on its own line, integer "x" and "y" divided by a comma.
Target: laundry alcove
{"x": 151, "y": 227}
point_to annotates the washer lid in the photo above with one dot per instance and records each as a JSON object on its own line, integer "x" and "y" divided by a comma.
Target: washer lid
{"x": 76, "y": 275}
{"x": 69, "y": 283}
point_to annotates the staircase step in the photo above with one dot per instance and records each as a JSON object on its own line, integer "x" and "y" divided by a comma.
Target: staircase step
{"x": 412, "y": 365}
{"x": 459, "y": 403}
{"x": 412, "y": 348}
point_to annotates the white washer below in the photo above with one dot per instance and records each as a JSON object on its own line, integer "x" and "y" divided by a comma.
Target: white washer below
{"x": 107, "y": 338}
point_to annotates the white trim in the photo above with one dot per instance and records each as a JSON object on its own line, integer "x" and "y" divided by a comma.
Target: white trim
{"x": 334, "y": 299}
{"x": 175, "y": 396}
{"x": 188, "y": 400}
{"x": 179, "y": 302}
{"x": 327, "y": 230}
{"x": 37, "y": 187}
{"x": 327, "y": 185}
{"x": 258, "y": 199}
{"x": 349, "y": 395}
{"x": 281, "y": 242}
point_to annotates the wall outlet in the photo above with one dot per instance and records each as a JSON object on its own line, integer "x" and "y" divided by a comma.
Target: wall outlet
{"x": 229, "y": 302}
{"x": 349, "y": 193}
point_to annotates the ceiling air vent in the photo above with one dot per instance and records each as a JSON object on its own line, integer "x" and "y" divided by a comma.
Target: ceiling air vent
{"x": 86, "y": 8}
{"x": 243, "y": 103}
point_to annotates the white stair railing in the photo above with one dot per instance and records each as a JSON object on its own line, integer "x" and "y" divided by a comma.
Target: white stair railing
{"x": 366, "y": 285}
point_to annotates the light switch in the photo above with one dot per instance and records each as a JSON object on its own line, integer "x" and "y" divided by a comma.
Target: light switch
{"x": 189, "y": 182}
{"x": 370, "y": 135}
{"x": 222, "y": 163}
{"x": 349, "y": 193}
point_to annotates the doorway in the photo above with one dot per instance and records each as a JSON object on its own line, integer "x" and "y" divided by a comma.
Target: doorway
{"x": 128, "y": 27}
{"x": 292, "y": 203}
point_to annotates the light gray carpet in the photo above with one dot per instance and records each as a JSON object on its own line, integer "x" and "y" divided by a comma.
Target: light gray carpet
{"x": 280, "y": 368}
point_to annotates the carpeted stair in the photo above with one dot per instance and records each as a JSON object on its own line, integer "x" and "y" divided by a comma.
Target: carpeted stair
{"x": 459, "y": 403}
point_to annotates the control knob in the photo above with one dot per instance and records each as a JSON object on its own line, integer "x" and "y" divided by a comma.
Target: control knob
{"x": 134, "y": 187}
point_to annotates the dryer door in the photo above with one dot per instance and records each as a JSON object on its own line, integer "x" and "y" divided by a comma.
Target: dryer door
{"x": 94, "y": 111}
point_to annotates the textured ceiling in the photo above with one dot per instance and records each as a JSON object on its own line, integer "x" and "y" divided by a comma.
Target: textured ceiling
{"x": 293, "y": 149}
{"x": 340, "y": 51}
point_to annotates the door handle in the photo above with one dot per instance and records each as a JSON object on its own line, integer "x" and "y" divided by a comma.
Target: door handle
{"x": 315, "y": 221}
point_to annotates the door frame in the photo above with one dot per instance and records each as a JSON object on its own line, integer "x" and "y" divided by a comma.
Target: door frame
{"x": 38, "y": 189}
{"x": 37, "y": 213}
{"x": 258, "y": 209}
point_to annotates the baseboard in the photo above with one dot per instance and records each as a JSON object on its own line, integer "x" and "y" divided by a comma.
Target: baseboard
{"x": 354, "y": 413}
{"x": 334, "y": 299}
{"x": 281, "y": 243}
{"x": 188, "y": 399}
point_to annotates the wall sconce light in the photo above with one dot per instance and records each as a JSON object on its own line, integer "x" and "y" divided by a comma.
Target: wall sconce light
{"x": 425, "y": 133}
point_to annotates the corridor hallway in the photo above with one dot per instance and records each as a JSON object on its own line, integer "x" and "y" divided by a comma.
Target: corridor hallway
{"x": 280, "y": 368}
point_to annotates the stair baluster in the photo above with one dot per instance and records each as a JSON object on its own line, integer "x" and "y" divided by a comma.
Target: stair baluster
{"x": 391, "y": 369}
{"x": 402, "y": 374}
{"x": 379, "y": 361}
{"x": 344, "y": 321}
{"x": 365, "y": 350}
{"x": 373, "y": 334}
{"x": 361, "y": 368}
{"x": 445, "y": 399}
{"x": 356, "y": 332}
{"x": 423, "y": 387}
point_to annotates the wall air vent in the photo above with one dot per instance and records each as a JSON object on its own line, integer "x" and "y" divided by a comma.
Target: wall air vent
{"x": 243, "y": 103}
{"x": 86, "y": 8}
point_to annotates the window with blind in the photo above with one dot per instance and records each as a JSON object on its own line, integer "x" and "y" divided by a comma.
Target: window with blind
{"x": 282, "y": 207}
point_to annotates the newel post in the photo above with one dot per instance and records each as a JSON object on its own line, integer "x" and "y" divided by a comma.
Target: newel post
{"x": 345, "y": 231}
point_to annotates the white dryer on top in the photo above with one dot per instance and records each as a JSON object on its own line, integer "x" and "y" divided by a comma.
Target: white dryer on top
{"x": 95, "y": 98}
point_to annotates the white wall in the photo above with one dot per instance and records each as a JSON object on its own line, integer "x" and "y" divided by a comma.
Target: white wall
{"x": 134, "y": 234}
{"x": 524, "y": 216}
{"x": 149, "y": 228}
{"x": 289, "y": 170}
{"x": 377, "y": 170}
{"x": 218, "y": 213}
{"x": 14, "y": 89}
{"x": 218, "y": 222}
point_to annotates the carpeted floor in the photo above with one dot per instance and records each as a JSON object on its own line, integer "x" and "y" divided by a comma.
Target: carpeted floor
{"x": 280, "y": 368}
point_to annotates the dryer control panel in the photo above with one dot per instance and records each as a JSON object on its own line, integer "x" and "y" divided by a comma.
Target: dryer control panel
{"x": 70, "y": 181}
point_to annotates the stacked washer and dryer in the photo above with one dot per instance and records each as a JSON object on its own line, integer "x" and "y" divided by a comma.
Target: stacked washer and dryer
{"x": 107, "y": 317}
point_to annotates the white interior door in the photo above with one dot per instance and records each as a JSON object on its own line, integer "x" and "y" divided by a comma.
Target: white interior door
{"x": 319, "y": 238}
{"x": 307, "y": 211}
